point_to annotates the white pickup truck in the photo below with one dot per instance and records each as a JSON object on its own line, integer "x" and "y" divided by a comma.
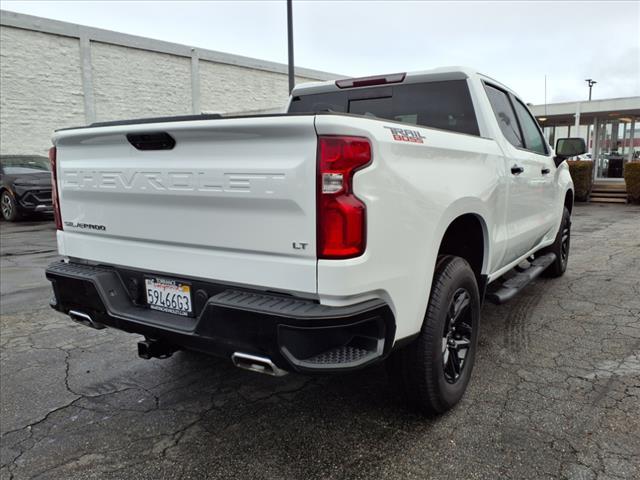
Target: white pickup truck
{"x": 367, "y": 223}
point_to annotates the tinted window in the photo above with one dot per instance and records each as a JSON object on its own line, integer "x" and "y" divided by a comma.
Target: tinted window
{"x": 22, "y": 164}
{"x": 532, "y": 137}
{"x": 319, "y": 102}
{"x": 504, "y": 114}
{"x": 372, "y": 107}
{"x": 446, "y": 105}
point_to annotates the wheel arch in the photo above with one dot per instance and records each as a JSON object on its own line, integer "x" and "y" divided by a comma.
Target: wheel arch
{"x": 467, "y": 236}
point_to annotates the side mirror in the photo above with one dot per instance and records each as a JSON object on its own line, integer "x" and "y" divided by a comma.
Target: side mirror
{"x": 567, "y": 148}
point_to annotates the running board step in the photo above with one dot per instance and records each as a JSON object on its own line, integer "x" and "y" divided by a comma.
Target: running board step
{"x": 510, "y": 288}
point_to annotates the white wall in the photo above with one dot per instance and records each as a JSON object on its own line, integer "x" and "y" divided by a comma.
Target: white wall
{"x": 56, "y": 74}
{"x": 252, "y": 89}
{"x": 131, "y": 83}
{"x": 40, "y": 89}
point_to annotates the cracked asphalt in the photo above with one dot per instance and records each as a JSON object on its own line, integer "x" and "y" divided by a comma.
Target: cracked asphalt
{"x": 555, "y": 392}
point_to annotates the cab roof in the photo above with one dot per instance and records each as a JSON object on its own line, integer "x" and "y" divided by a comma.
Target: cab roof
{"x": 433, "y": 75}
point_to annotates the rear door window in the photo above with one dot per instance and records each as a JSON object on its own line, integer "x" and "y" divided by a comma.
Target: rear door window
{"x": 505, "y": 115}
{"x": 445, "y": 105}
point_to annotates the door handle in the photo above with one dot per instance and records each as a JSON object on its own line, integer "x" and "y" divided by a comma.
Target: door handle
{"x": 546, "y": 171}
{"x": 516, "y": 170}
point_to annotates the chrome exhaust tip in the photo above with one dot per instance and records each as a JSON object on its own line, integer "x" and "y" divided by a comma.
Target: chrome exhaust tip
{"x": 257, "y": 364}
{"x": 84, "y": 319}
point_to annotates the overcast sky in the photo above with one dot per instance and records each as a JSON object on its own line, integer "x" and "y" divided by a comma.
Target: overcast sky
{"x": 514, "y": 42}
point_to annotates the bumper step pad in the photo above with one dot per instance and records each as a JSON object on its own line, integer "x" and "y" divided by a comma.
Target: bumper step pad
{"x": 341, "y": 355}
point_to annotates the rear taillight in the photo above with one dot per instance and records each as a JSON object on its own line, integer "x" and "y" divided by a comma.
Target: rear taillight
{"x": 54, "y": 188}
{"x": 341, "y": 215}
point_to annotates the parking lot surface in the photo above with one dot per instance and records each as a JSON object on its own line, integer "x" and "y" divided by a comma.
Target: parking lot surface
{"x": 555, "y": 392}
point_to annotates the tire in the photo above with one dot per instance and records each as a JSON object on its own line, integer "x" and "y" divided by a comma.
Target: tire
{"x": 560, "y": 247}
{"x": 425, "y": 370}
{"x": 9, "y": 207}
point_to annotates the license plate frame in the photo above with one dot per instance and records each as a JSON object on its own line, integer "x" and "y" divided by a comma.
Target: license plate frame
{"x": 171, "y": 295}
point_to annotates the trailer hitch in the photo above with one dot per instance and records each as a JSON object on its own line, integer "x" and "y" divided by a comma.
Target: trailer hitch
{"x": 150, "y": 348}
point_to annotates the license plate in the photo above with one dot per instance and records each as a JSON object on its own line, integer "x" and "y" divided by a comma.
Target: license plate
{"x": 170, "y": 296}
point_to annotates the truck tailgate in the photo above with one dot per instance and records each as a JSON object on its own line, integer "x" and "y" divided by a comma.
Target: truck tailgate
{"x": 233, "y": 201}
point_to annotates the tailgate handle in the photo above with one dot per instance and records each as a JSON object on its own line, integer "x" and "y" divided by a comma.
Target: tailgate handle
{"x": 151, "y": 140}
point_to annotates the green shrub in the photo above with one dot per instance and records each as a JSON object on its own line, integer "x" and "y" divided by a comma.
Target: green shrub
{"x": 582, "y": 175}
{"x": 632, "y": 179}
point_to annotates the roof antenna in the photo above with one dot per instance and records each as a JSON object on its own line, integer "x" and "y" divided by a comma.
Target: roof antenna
{"x": 545, "y": 95}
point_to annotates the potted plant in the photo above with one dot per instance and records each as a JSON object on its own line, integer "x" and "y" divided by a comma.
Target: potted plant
{"x": 632, "y": 179}
{"x": 582, "y": 176}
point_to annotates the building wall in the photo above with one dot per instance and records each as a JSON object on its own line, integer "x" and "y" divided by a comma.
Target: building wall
{"x": 40, "y": 89}
{"x": 132, "y": 83}
{"x": 56, "y": 74}
{"x": 252, "y": 89}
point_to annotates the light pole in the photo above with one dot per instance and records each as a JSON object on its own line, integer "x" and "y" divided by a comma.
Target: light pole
{"x": 591, "y": 83}
{"x": 292, "y": 79}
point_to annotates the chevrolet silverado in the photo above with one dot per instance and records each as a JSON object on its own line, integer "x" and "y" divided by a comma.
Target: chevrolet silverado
{"x": 367, "y": 223}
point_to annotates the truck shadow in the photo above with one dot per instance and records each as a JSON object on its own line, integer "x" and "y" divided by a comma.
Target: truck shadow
{"x": 300, "y": 427}
{"x": 201, "y": 417}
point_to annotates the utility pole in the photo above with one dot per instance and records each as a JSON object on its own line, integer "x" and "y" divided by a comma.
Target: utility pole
{"x": 292, "y": 79}
{"x": 591, "y": 83}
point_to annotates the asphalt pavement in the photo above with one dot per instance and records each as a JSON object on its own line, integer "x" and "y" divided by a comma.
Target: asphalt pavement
{"x": 555, "y": 391}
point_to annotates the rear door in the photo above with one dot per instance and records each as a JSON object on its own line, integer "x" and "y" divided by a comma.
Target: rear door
{"x": 232, "y": 201}
{"x": 525, "y": 218}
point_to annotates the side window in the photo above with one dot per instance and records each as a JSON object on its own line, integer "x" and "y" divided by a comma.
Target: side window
{"x": 532, "y": 138}
{"x": 504, "y": 114}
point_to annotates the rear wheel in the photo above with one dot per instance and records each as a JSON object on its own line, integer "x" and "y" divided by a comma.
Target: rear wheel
{"x": 433, "y": 372}
{"x": 8, "y": 207}
{"x": 560, "y": 247}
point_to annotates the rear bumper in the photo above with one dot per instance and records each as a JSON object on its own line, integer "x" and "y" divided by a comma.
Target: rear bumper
{"x": 296, "y": 334}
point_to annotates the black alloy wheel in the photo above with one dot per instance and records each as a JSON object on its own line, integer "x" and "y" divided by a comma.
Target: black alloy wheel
{"x": 566, "y": 242}
{"x": 561, "y": 247}
{"x": 433, "y": 371}
{"x": 8, "y": 207}
{"x": 457, "y": 335}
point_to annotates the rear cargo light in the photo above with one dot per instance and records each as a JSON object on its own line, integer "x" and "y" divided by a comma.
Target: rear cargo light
{"x": 341, "y": 215}
{"x": 54, "y": 188}
{"x": 369, "y": 81}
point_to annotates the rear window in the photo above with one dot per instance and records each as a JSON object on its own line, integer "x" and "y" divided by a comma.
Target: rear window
{"x": 445, "y": 105}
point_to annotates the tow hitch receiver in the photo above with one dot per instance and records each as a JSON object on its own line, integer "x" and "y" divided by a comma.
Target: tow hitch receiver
{"x": 149, "y": 348}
